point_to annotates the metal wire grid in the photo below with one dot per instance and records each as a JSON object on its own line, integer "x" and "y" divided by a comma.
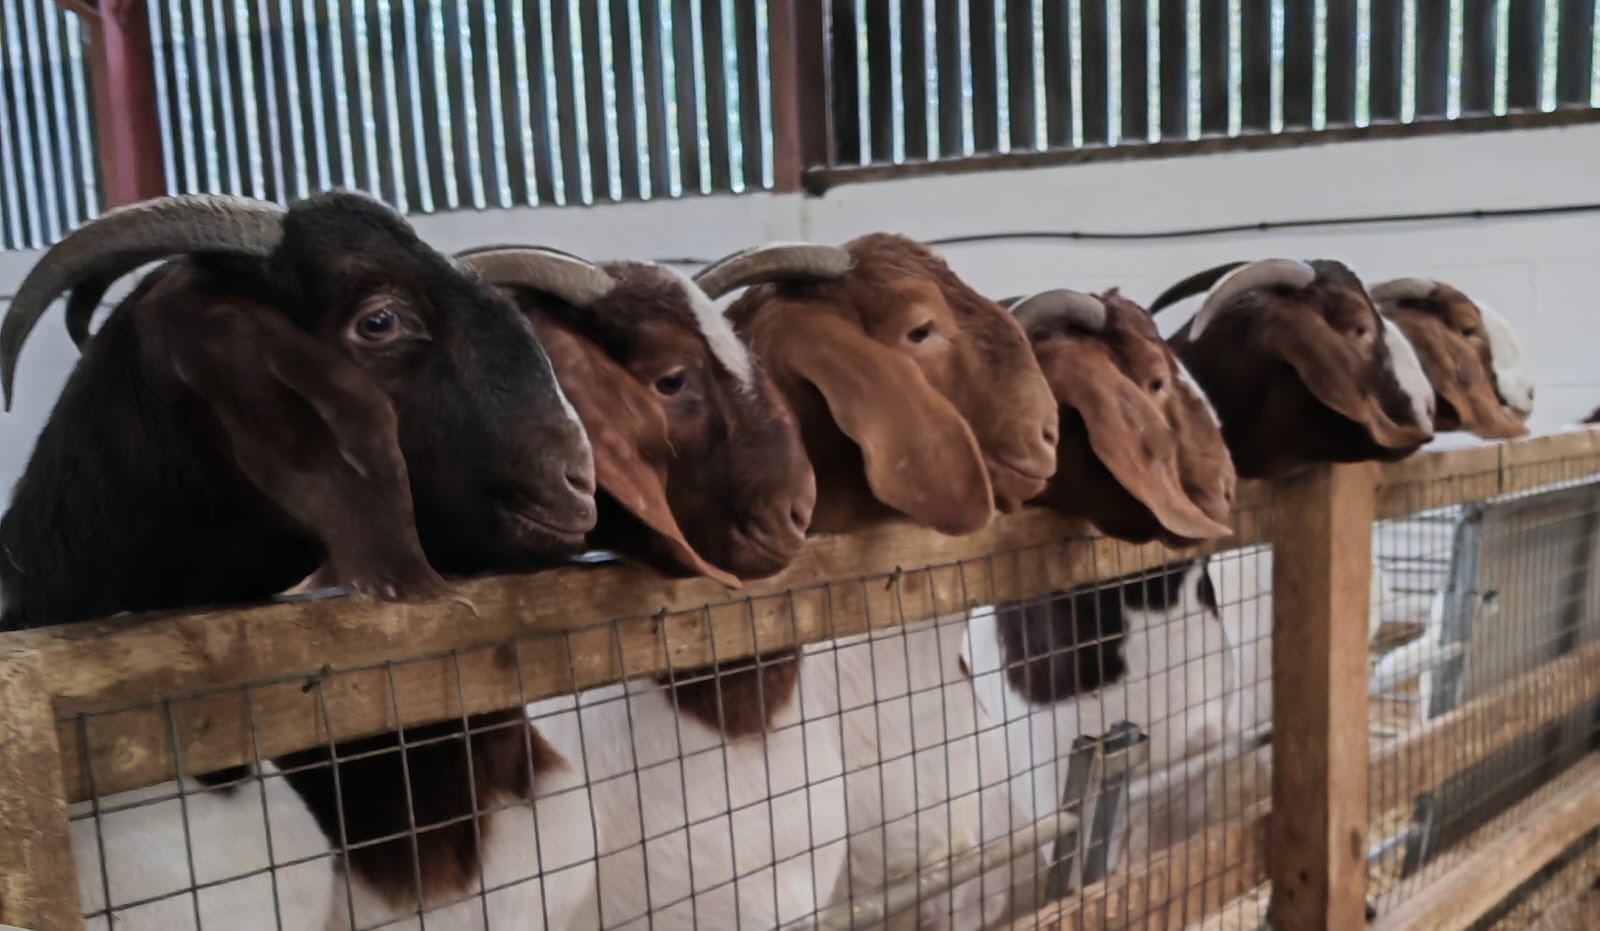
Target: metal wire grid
{"x": 890, "y": 776}
{"x": 1481, "y": 702}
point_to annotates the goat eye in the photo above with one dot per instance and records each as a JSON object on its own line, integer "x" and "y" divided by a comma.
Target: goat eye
{"x": 1360, "y": 332}
{"x": 1469, "y": 331}
{"x": 1156, "y": 385}
{"x": 378, "y": 326}
{"x": 920, "y": 333}
{"x": 672, "y": 383}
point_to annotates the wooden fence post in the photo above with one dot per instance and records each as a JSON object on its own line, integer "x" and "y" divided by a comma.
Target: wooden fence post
{"x": 122, "y": 71}
{"x": 796, "y": 35}
{"x": 38, "y": 881}
{"x": 1321, "y": 569}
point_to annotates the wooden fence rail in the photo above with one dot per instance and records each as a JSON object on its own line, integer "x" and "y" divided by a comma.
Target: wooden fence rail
{"x": 131, "y": 696}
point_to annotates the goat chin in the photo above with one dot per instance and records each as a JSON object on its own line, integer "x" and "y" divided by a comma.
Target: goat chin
{"x": 698, "y": 830}
{"x": 150, "y": 850}
{"x": 927, "y": 777}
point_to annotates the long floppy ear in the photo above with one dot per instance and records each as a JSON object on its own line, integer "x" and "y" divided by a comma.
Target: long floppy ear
{"x": 305, "y": 426}
{"x": 1457, "y": 374}
{"x": 628, "y": 431}
{"x": 1327, "y": 366}
{"x": 1129, "y": 435}
{"x": 921, "y": 456}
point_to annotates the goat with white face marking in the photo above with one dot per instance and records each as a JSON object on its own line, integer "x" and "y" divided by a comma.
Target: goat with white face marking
{"x": 701, "y": 471}
{"x": 1469, "y": 352}
{"x": 917, "y": 398}
{"x": 267, "y": 404}
{"x": 1301, "y": 366}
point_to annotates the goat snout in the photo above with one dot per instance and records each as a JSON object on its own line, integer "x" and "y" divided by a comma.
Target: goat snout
{"x": 1020, "y": 475}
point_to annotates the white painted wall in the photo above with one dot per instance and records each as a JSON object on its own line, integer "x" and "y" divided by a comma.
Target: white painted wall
{"x": 1535, "y": 271}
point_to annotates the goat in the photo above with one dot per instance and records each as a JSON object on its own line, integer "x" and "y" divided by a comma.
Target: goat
{"x": 701, "y": 817}
{"x": 917, "y": 398}
{"x": 1141, "y": 457}
{"x": 1473, "y": 364}
{"x": 267, "y": 404}
{"x": 1301, "y": 366}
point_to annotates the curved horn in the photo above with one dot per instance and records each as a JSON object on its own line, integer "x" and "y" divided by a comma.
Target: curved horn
{"x": 1192, "y": 285}
{"x": 124, "y": 238}
{"x": 1263, "y": 274}
{"x": 575, "y": 280}
{"x": 1402, "y": 289}
{"x": 1084, "y": 310}
{"x": 770, "y": 263}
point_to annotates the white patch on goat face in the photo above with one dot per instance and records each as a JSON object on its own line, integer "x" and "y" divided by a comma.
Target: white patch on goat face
{"x": 1194, "y": 386}
{"x": 1505, "y": 357}
{"x": 714, "y": 326}
{"x": 1407, "y": 368}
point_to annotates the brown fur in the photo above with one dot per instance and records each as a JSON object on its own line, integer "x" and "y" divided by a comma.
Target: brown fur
{"x": 1126, "y": 417}
{"x": 1448, "y": 332}
{"x": 915, "y": 394}
{"x": 743, "y": 697}
{"x": 377, "y": 800}
{"x": 1300, "y": 377}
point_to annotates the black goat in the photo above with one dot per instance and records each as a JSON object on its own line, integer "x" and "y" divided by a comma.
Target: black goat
{"x": 307, "y": 386}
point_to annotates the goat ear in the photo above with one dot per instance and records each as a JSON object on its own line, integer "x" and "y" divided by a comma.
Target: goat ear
{"x": 1130, "y": 436}
{"x": 921, "y": 456}
{"x": 305, "y": 426}
{"x": 628, "y": 433}
{"x": 1328, "y": 366}
{"x": 1458, "y": 376}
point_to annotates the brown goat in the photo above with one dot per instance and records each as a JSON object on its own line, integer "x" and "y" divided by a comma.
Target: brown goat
{"x": 915, "y": 394}
{"x": 1140, "y": 456}
{"x": 1453, "y": 341}
{"x": 1301, "y": 366}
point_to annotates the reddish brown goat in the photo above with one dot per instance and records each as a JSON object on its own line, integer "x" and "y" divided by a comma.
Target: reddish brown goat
{"x": 915, "y": 394}
{"x": 1141, "y": 455}
{"x": 1454, "y": 342}
{"x": 1301, "y": 366}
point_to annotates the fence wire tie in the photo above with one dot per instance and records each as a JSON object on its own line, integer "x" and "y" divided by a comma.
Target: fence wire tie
{"x": 315, "y": 680}
{"x": 894, "y": 577}
{"x": 657, "y": 619}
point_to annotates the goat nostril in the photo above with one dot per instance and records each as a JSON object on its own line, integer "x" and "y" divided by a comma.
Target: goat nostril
{"x": 800, "y": 518}
{"x": 1050, "y": 436}
{"x": 581, "y": 481}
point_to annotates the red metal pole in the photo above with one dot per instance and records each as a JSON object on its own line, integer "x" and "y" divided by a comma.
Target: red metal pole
{"x": 122, "y": 67}
{"x": 796, "y": 35}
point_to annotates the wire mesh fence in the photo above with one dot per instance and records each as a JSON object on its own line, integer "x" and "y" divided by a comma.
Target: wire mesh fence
{"x": 1030, "y": 726}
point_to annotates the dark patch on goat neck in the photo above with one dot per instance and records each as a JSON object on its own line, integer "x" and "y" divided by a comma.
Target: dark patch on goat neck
{"x": 1069, "y": 643}
{"x": 740, "y": 698}
{"x": 376, "y": 801}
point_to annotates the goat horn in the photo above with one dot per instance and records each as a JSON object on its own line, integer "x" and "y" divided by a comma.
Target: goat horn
{"x": 771, "y": 263}
{"x": 1075, "y": 307}
{"x": 1402, "y": 289}
{"x": 571, "y": 278}
{"x": 124, "y": 238}
{"x": 1262, "y": 274}
{"x": 1192, "y": 285}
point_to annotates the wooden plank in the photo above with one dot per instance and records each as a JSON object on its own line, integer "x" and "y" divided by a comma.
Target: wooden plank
{"x": 567, "y": 116}
{"x": 1342, "y": 62}
{"x": 1215, "y": 78}
{"x": 985, "y": 75}
{"x": 594, "y": 99}
{"x": 751, "y": 140}
{"x": 1096, "y": 62}
{"x": 629, "y": 186}
{"x": 1433, "y": 60}
{"x": 1299, "y": 64}
{"x": 1019, "y": 72}
{"x": 1255, "y": 65}
{"x": 843, "y": 57}
{"x": 713, "y": 55}
{"x": 1524, "y": 54}
{"x": 1135, "y": 71}
{"x": 127, "y": 123}
{"x": 38, "y": 880}
{"x": 1455, "y": 900}
{"x": 1388, "y": 49}
{"x": 1479, "y": 39}
{"x": 540, "y": 123}
{"x": 914, "y": 76}
{"x": 797, "y": 39}
{"x": 653, "y": 55}
{"x": 684, "y": 66}
{"x": 947, "y": 45}
{"x": 1321, "y": 569}
{"x": 880, "y": 84}
{"x": 1575, "y": 53}
{"x": 1058, "y": 67}
{"x": 1174, "y": 68}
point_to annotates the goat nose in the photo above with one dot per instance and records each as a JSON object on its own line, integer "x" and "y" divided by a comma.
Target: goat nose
{"x": 800, "y": 519}
{"x": 581, "y": 481}
{"x": 1050, "y": 435}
